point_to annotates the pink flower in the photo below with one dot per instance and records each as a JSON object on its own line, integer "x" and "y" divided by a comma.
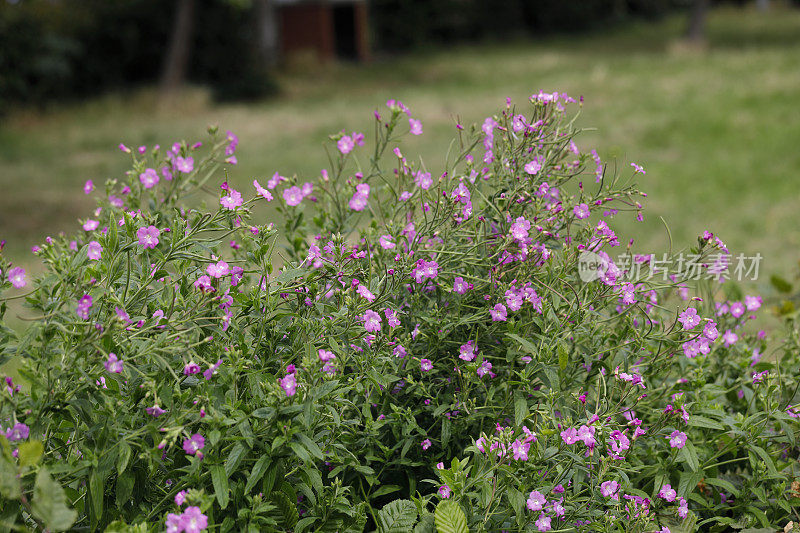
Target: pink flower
{"x": 84, "y": 304}
{"x": 426, "y": 444}
{"x": 232, "y": 200}
{"x": 289, "y": 383}
{"x": 677, "y": 439}
{"x": 710, "y": 331}
{"x": 364, "y": 292}
{"x": 17, "y": 432}
{"x": 753, "y": 303}
{"x": 173, "y": 523}
{"x": 683, "y": 508}
{"x": 737, "y": 309}
{"x": 425, "y": 270}
{"x": 155, "y": 411}
{"x": 275, "y": 180}
{"x": 326, "y": 355}
{"x": 415, "y": 126}
{"x": 184, "y": 164}
{"x": 193, "y": 520}
{"x": 536, "y": 501}
{"x": 460, "y": 286}
{"x": 372, "y": 321}
{"x": 149, "y": 178}
{"x": 293, "y": 196}
{"x": 90, "y": 225}
{"x": 345, "y": 144}
{"x": 569, "y": 436}
{"x": 499, "y": 313}
{"x": 468, "y": 351}
{"x": 533, "y": 167}
{"x": 94, "y": 250}
{"x": 619, "y": 441}
{"x": 426, "y": 365}
{"x": 609, "y": 489}
{"x": 581, "y": 211}
{"x": 218, "y": 269}
{"x": 16, "y": 276}
{"x": 485, "y": 368}
{"x": 391, "y": 318}
{"x": 543, "y": 523}
{"x": 113, "y": 364}
{"x": 180, "y": 498}
{"x": 668, "y": 493}
{"x": 638, "y": 169}
{"x": 729, "y": 338}
{"x": 212, "y": 370}
{"x": 262, "y": 191}
{"x": 360, "y": 198}
{"x": 191, "y": 368}
{"x": 444, "y": 491}
{"x": 386, "y": 242}
{"x": 88, "y": 187}
{"x": 148, "y": 236}
{"x": 423, "y": 180}
{"x": 194, "y": 444}
{"x": 520, "y": 450}
{"x": 586, "y": 434}
{"x": 689, "y": 318}
{"x": 204, "y": 284}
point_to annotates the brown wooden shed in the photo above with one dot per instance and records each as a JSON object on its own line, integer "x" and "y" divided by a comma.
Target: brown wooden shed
{"x": 330, "y": 29}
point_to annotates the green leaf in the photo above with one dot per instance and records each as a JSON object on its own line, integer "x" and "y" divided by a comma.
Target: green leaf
{"x": 427, "y": 524}
{"x": 125, "y": 485}
{"x": 238, "y": 452}
{"x": 766, "y": 458}
{"x": 311, "y": 446}
{"x": 384, "y": 490}
{"x": 97, "y": 482}
{"x": 675, "y": 525}
{"x": 450, "y": 518}
{"x": 703, "y": 422}
{"x": 257, "y": 472}
{"x": 758, "y": 513}
{"x": 287, "y": 508}
{"x": 721, "y": 483}
{"x": 30, "y": 452}
{"x": 220, "y": 481}
{"x": 520, "y": 409}
{"x": 563, "y": 356}
{"x": 49, "y": 503}
{"x": 446, "y": 431}
{"x": 9, "y": 484}
{"x": 526, "y": 344}
{"x": 124, "y": 457}
{"x": 300, "y": 451}
{"x": 780, "y": 284}
{"x": 689, "y": 455}
{"x": 398, "y": 516}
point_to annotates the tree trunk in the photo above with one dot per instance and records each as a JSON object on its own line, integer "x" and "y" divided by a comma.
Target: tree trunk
{"x": 697, "y": 23}
{"x": 176, "y": 63}
{"x": 267, "y": 33}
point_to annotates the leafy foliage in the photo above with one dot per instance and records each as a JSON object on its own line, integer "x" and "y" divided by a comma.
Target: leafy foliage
{"x": 406, "y": 352}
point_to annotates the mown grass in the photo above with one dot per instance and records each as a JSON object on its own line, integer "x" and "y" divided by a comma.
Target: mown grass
{"x": 717, "y": 129}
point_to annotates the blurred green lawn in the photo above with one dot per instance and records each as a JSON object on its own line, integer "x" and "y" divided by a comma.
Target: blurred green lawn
{"x": 718, "y": 130}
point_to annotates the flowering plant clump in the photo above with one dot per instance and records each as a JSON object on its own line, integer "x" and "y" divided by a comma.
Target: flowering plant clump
{"x": 409, "y": 349}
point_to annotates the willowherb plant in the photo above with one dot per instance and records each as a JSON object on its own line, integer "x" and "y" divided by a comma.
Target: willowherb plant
{"x": 426, "y": 357}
